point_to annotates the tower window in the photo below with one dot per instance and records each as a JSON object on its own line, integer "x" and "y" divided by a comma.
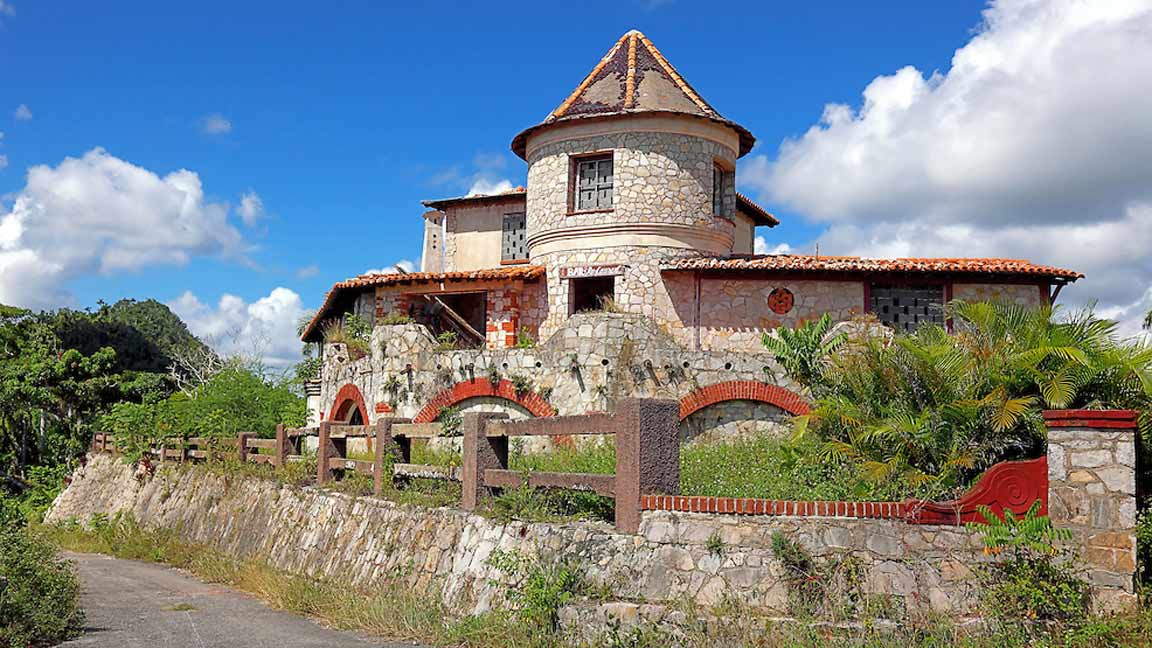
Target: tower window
{"x": 593, "y": 188}
{"x": 512, "y": 245}
{"x": 719, "y": 177}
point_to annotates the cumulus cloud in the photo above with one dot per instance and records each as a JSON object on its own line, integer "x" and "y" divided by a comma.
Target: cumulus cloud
{"x": 760, "y": 246}
{"x": 488, "y": 187}
{"x": 22, "y": 113}
{"x": 251, "y": 208}
{"x": 265, "y": 328}
{"x": 215, "y": 124}
{"x": 100, "y": 214}
{"x": 404, "y": 264}
{"x": 1035, "y": 143}
{"x": 487, "y": 176}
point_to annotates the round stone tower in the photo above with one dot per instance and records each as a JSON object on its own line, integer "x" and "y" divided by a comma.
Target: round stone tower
{"x": 633, "y": 168}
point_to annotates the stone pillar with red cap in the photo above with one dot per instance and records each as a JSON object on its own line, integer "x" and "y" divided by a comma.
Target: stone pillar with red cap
{"x": 1092, "y": 492}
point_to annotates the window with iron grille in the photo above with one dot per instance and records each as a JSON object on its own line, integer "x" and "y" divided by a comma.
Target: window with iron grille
{"x": 906, "y": 308}
{"x": 512, "y": 245}
{"x": 593, "y": 183}
{"x": 718, "y": 190}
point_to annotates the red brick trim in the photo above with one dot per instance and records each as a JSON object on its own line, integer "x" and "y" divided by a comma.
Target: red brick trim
{"x": 785, "y": 399}
{"x": 480, "y": 387}
{"x": 751, "y": 506}
{"x": 383, "y": 408}
{"x": 1115, "y": 419}
{"x": 348, "y": 397}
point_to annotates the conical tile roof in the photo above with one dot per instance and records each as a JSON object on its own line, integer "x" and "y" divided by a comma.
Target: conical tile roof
{"x": 633, "y": 77}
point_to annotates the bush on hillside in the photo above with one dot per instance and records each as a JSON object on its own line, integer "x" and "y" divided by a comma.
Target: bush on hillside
{"x": 39, "y": 602}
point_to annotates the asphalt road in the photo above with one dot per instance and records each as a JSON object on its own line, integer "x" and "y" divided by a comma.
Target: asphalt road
{"x": 132, "y": 604}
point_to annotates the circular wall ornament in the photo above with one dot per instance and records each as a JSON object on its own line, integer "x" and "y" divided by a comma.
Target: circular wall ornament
{"x": 780, "y": 301}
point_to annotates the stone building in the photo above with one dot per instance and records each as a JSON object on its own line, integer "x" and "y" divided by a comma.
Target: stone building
{"x": 625, "y": 267}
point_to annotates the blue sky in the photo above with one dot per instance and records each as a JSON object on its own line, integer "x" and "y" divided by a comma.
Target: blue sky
{"x": 343, "y": 116}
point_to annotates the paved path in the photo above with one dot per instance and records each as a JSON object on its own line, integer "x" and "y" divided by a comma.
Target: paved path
{"x": 132, "y": 604}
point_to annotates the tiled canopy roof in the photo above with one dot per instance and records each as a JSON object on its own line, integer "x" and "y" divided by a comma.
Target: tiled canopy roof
{"x": 759, "y": 215}
{"x": 356, "y": 284}
{"x": 844, "y": 264}
{"x": 518, "y": 193}
{"x": 633, "y": 77}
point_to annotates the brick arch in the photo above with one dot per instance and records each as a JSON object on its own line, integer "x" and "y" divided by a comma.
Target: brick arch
{"x": 347, "y": 398}
{"x": 482, "y": 387}
{"x": 785, "y": 399}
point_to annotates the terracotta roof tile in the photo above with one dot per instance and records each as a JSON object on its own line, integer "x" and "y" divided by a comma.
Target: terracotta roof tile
{"x": 519, "y": 193}
{"x": 633, "y": 77}
{"x": 509, "y": 273}
{"x": 758, "y": 213}
{"x": 848, "y": 264}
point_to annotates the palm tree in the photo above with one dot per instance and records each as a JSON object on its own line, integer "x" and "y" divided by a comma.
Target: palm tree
{"x": 931, "y": 410}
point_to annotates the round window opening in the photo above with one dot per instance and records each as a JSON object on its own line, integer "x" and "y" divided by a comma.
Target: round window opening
{"x": 780, "y": 301}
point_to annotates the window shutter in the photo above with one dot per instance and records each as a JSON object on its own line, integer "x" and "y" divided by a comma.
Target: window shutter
{"x": 512, "y": 243}
{"x": 594, "y": 184}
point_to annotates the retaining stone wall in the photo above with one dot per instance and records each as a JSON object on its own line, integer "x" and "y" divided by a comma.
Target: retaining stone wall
{"x": 443, "y": 552}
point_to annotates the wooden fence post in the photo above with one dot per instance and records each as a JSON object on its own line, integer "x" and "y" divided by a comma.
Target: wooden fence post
{"x": 281, "y": 450}
{"x": 647, "y": 455}
{"x": 242, "y": 446}
{"x": 386, "y": 445}
{"x": 480, "y": 452}
{"x": 325, "y": 449}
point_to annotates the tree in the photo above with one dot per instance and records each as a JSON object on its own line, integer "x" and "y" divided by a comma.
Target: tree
{"x": 932, "y": 410}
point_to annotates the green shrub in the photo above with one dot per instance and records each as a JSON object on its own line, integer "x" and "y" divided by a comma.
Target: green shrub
{"x": 541, "y": 587}
{"x": 39, "y": 605}
{"x": 1034, "y": 576}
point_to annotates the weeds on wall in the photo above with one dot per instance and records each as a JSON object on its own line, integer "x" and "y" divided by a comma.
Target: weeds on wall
{"x": 1034, "y": 576}
{"x": 521, "y": 384}
{"x": 447, "y": 341}
{"x": 539, "y": 587}
{"x": 451, "y": 422}
{"x": 525, "y": 339}
{"x": 829, "y": 587}
{"x": 394, "y": 318}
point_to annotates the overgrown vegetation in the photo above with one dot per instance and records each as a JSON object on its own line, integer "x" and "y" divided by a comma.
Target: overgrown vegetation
{"x": 352, "y": 331}
{"x": 1034, "y": 576}
{"x": 930, "y": 411}
{"x": 39, "y": 593}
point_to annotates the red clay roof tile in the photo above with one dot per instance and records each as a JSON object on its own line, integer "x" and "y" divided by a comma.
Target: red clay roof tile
{"x": 850, "y": 264}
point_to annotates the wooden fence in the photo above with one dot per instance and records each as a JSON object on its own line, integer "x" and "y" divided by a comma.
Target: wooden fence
{"x": 647, "y": 476}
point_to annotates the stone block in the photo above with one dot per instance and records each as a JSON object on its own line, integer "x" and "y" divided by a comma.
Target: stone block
{"x": 1091, "y": 458}
{"x": 1118, "y": 479}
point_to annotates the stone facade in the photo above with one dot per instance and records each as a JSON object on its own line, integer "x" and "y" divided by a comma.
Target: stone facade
{"x": 594, "y": 361}
{"x": 1019, "y": 294}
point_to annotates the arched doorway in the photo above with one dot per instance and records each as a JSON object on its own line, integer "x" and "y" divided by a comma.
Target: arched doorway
{"x": 348, "y": 406}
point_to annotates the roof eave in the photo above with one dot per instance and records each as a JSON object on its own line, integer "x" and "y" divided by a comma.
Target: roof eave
{"x": 519, "y": 143}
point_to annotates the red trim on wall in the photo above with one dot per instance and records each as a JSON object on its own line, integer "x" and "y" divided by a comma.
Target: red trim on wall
{"x": 1117, "y": 419}
{"x": 348, "y": 396}
{"x": 785, "y": 399}
{"x": 481, "y": 387}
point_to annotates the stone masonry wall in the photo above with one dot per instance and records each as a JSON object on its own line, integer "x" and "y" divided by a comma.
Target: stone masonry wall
{"x": 615, "y": 356}
{"x": 443, "y": 552}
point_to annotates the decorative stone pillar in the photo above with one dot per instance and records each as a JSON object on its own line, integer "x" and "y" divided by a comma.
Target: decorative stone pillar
{"x": 1092, "y": 492}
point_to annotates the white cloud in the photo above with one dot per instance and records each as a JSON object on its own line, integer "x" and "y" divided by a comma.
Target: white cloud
{"x": 251, "y": 208}
{"x": 265, "y": 328}
{"x": 101, "y": 214}
{"x": 215, "y": 124}
{"x": 308, "y": 271}
{"x": 403, "y": 264}
{"x": 1035, "y": 143}
{"x": 488, "y": 187}
{"x": 760, "y": 246}
{"x": 22, "y": 113}
{"x": 3, "y": 162}
{"x": 6, "y": 8}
